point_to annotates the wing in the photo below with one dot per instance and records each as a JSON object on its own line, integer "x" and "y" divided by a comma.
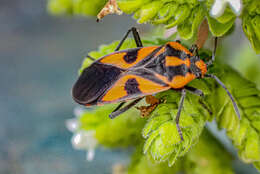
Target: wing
{"x": 133, "y": 85}
{"x": 96, "y": 79}
{"x": 93, "y": 82}
{"x": 126, "y": 59}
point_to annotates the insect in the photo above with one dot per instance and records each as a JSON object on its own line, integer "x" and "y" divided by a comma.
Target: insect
{"x": 135, "y": 73}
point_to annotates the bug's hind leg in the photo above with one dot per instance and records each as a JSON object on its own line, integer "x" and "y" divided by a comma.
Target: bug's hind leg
{"x": 119, "y": 106}
{"x": 177, "y": 119}
{"x": 91, "y": 58}
{"x": 119, "y": 111}
{"x": 136, "y": 38}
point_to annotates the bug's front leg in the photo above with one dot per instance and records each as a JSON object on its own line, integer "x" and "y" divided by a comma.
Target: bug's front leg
{"x": 177, "y": 119}
{"x": 194, "y": 91}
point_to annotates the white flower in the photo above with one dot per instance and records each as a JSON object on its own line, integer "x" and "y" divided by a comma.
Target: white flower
{"x": 78, "y": 111}
{"x": 72, "y": 124}
{"x": 85, "y": 140}
{"x": 82, "y": 139}
{"x": 219, "y": 7}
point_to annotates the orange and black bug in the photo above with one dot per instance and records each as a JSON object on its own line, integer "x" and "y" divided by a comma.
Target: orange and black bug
{"x": 138, "y": 72}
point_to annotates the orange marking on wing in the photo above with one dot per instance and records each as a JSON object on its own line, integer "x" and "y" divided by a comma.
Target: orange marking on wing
{"x": 118, "y": 89}
{"x": 117, "y": 59}
{"x": 175, "y": 61}
{"x": 180, "y": 47}
{"x": 143, "y": 53}
{"x": 150, "y": 87}
{"x": 202, "y": 66}
{"x": 180, "y": 81}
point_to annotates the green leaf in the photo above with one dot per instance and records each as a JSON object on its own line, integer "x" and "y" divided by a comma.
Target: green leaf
{"x": 251, "y": 28}
{"x": 190, "y": 26}
{"x": 201, "y": 159}
{"x": 130, "y": 6}
{"x": 182, "y": 13}
{"x": 148, "y": 11}
{"x": 227, "y": 16}
{"x": 164, "y": 143}
{"x": 219, "y": 29}
{"x": 75, "y": 7}
{"x": 208, "y": 157}
{"x": 244, "y": 134}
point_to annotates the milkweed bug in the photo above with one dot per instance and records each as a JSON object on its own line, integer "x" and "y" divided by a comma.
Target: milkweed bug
{"x": 138, "y": 72}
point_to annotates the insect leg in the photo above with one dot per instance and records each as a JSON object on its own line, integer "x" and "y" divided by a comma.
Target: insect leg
{"x": 183, "y": 94}
{"x": 194, "y": 91}
{"x": 120, "y": 111}
{"x": 214, "y": 52}
{"x": 119, "y": 106}
{"x": 229, "y": 94}
{"x": 136, "y": 38}
{"x": 91, "y": 58}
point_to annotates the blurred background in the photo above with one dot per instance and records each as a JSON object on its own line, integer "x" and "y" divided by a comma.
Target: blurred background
{"x": 40, "y": 56}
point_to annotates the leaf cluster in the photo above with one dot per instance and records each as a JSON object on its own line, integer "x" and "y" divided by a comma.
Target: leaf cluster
{"x": 186, "y": 15}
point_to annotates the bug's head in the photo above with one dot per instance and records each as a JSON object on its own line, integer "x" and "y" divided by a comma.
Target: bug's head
{"x": 198, "y": 66}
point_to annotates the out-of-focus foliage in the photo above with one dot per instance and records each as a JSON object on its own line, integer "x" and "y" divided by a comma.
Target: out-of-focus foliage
{"x": 123, "y": 131}
{"x": 185, "y": 14}
{"x": 248, "y": 63}
{"x": 75, "y": 7}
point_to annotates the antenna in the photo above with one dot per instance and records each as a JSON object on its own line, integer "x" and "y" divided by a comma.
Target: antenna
{"x": 229, "y": 94}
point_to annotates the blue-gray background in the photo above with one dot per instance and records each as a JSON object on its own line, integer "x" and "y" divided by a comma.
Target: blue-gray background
{"x": 40, "y": 56}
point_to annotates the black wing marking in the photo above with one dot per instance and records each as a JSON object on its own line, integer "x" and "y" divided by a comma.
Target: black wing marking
{"x": 93, "y": 82}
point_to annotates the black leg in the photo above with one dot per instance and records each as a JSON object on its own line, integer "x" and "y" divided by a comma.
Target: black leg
{"x": 183, "y": 94}
{"x": 229, "y": 94}
{"x": 136, "y": 38}
{"x": 214, "y": 53}
{"x": 119, "y": 106}
{"x": 120, "y": 111}
{"x": 194, "y": 91}
{"x": 91, "y": 58}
